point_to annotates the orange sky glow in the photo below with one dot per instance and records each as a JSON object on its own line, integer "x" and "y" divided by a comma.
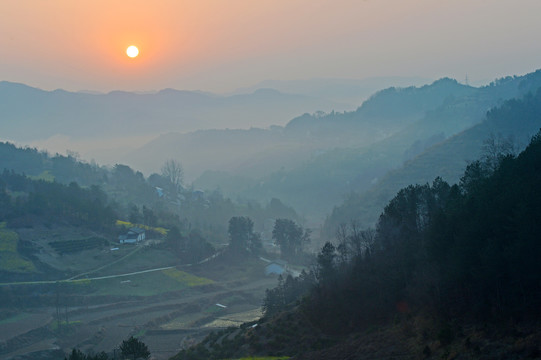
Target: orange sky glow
{"x": 220, "y": 45}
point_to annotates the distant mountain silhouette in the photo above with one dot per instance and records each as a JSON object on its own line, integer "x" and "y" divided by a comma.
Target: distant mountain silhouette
{"x": 351, "y": 91}
{"x": 29, "y": 114}
{"x": 258, "y": 152}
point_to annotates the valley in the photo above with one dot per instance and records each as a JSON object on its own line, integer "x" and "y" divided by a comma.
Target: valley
{"x": 263, "y": 180}
{"x": 353, "y": 209}
{"x": 168, "y": 309}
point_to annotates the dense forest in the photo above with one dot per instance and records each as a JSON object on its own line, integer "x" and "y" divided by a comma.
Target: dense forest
{"x": 455, "y": 254}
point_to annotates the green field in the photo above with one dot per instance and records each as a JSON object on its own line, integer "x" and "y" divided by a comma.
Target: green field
{"x": 147, "y": 284}
{"x": 186, "y": 278}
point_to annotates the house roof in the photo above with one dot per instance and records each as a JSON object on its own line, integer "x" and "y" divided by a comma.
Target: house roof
{"x": 137, "y": 230}
{"x": 274, "y": 268}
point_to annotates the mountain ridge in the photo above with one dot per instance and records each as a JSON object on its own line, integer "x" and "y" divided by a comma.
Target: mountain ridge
{"x": 121, "y": 113}
{"x": 447, "y": 159}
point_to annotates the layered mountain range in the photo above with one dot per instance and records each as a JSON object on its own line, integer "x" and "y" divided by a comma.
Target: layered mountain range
{"x": 313, "y": 161}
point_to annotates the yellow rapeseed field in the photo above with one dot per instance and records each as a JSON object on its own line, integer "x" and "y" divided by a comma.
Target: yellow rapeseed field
{"x": 187, "y": 279}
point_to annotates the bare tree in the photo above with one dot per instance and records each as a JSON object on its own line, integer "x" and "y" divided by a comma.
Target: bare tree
{"x": 495, "y": 148}
{"x": 172, "y": 170}
{"x": 353, "y": 241}
{"x": 343, "y": 237}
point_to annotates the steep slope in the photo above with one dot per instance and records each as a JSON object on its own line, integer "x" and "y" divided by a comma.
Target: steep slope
{"x": 382, "y": 114}
{"x": 450, "y": 272}
{"x": 341, "y": 171}
{"x": 515, "y": 121}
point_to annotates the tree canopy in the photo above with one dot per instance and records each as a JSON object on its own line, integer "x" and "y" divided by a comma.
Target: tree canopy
{"x": 242, "y": 235}
{"x": 134, "y": 348}
{"x": 290, "y": 237}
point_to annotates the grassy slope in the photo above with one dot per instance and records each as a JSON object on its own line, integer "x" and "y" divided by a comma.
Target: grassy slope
{"x": 10, "y": 260}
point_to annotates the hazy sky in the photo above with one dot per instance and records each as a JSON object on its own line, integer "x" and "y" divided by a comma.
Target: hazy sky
{"x": 220, "y": 45}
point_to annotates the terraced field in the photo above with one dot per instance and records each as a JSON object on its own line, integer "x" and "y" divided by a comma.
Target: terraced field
{"x": 167, "y": 309}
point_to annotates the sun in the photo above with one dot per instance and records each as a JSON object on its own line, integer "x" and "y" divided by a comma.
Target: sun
{"x": 132, "y": 51}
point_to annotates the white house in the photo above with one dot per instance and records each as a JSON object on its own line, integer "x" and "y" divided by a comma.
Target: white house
{"x": 133, "y": 236}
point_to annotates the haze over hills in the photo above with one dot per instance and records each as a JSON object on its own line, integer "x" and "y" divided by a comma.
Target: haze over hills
{"x": 506, "y": 129}
{"x": 341, "y": 152}
{"x": 351, "y": 91}
{"x": 97, "y": 124}
{"x": 257, "y": 152}
{"x": 337, "y": 152}
{"x": 264, "y": 180}
{"x": 118, "y": 120}
{"x": 294, "y": 173}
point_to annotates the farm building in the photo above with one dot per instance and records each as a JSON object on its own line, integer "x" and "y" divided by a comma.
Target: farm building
{"x": 133, "y": 236}
{"x": 277, "y": 267}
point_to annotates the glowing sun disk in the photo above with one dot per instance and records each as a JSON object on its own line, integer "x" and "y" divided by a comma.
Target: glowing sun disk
{"x": 132, "y": 51}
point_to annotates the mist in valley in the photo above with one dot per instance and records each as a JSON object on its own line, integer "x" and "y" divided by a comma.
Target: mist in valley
{"x": 325, "y": 181}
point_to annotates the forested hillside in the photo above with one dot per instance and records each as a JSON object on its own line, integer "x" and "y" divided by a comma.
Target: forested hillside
{"x": 23, "y": 201}
{"x": 352, "y": 151}
{"x": 450, "y": 269}
{"x": 506, "y": 128}
{"x": 132, "y": 194}
{"x": 39, "y": 217}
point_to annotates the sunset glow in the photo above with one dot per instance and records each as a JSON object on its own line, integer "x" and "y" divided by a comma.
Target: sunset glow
{"x": 223, "y": 45}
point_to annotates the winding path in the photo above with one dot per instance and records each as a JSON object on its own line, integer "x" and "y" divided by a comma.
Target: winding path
{"x": 75, "y": 278}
